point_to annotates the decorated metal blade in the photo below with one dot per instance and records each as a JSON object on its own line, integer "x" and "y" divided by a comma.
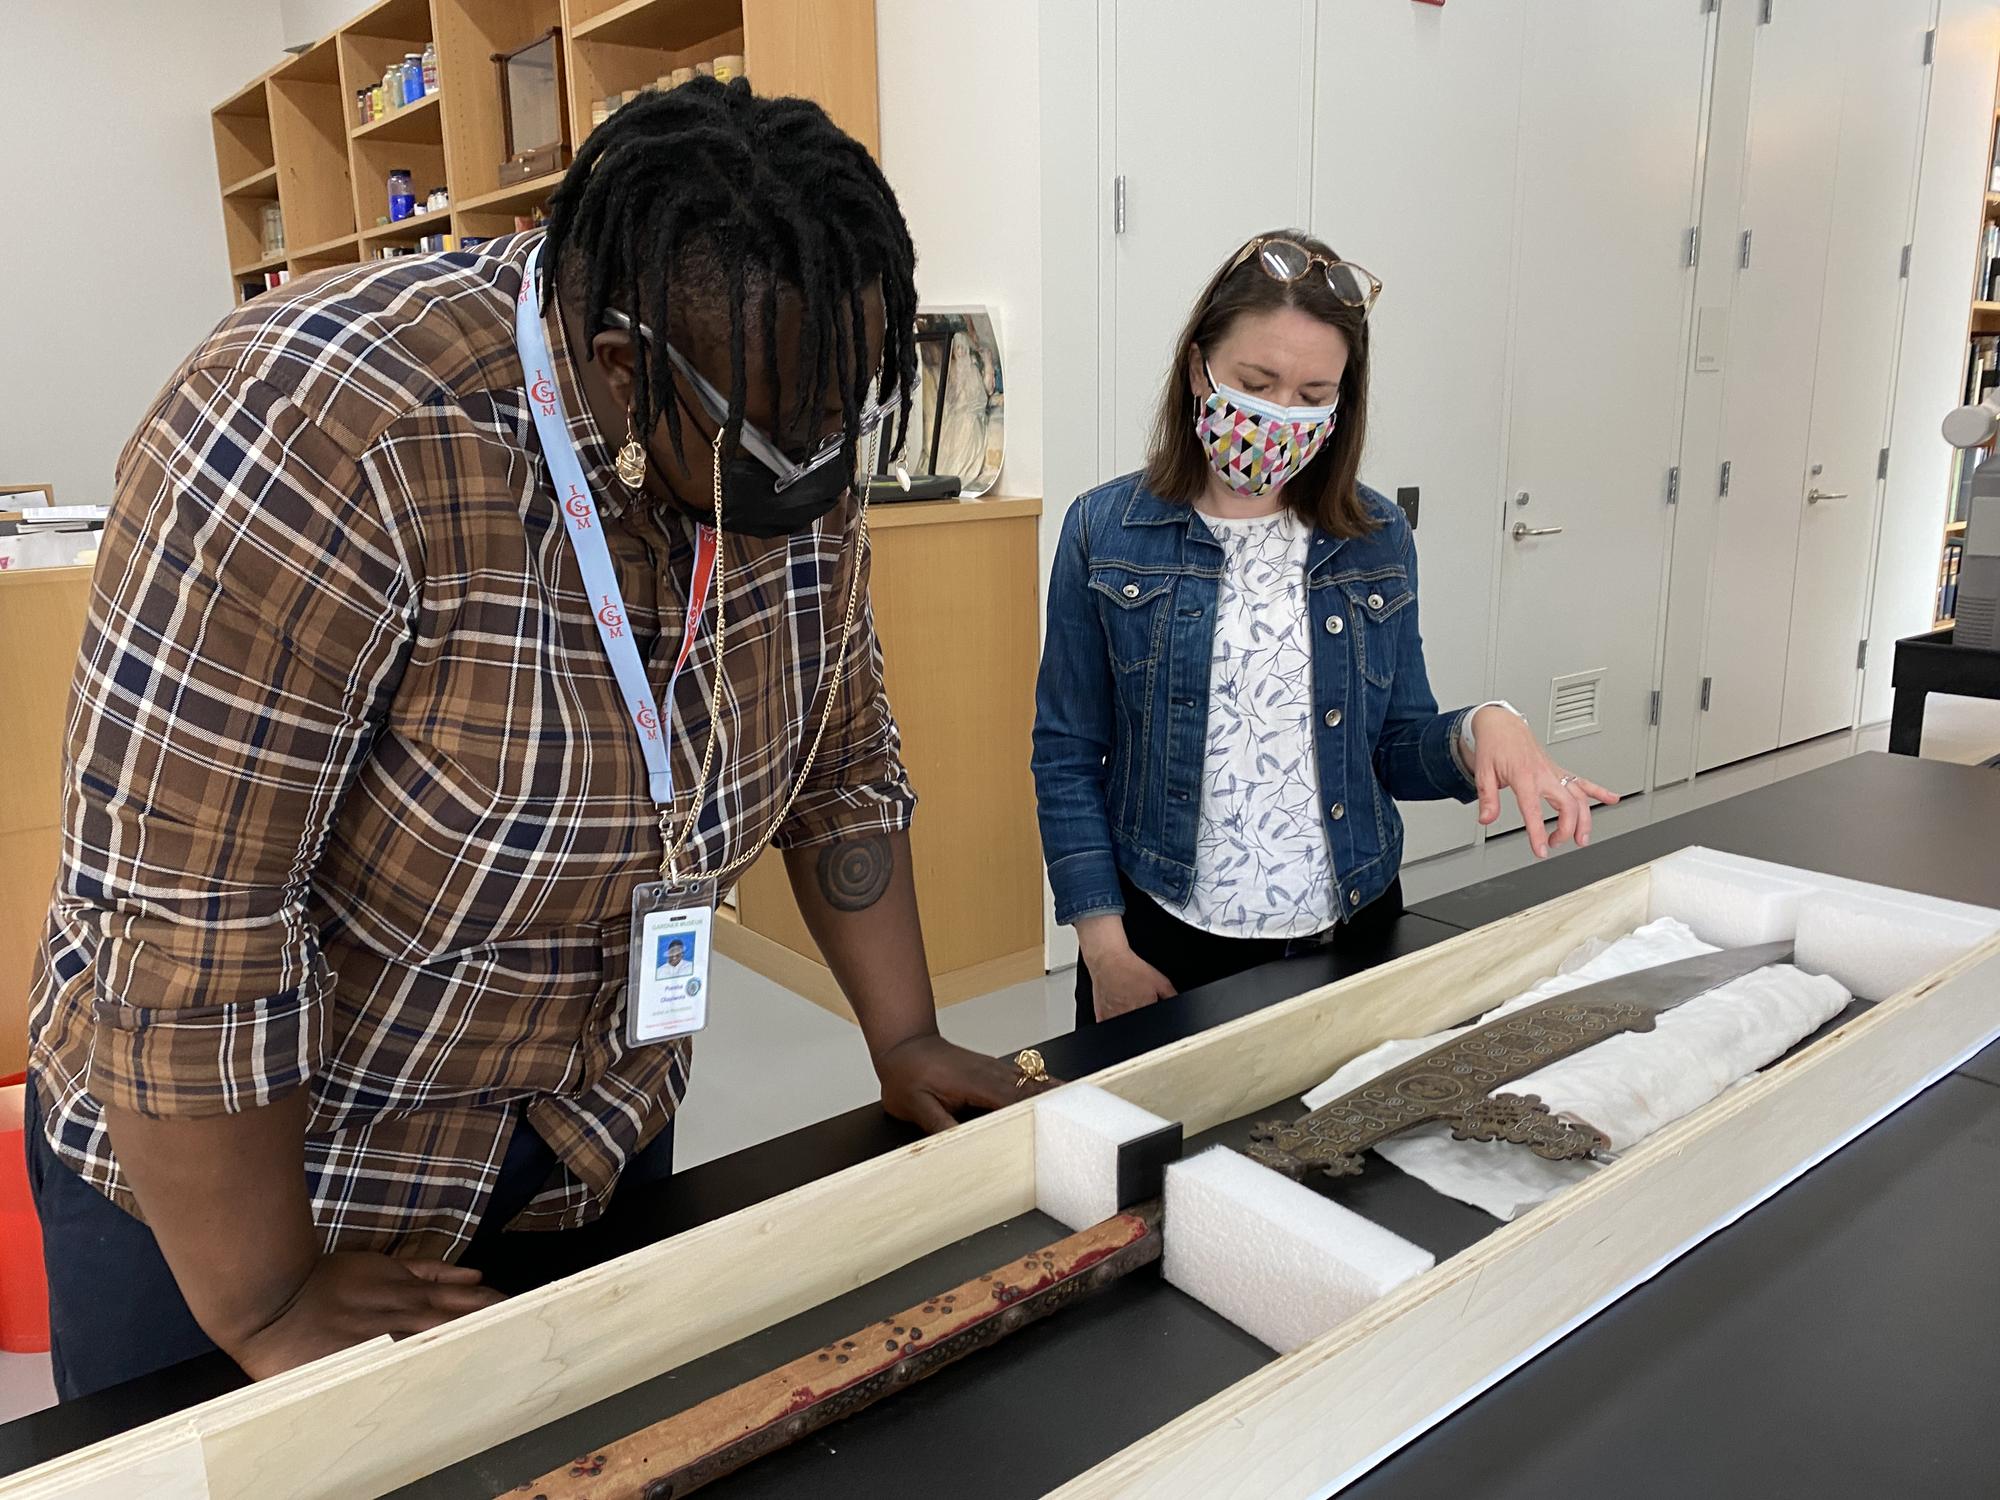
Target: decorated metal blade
{"x": 1454, "y": 1082}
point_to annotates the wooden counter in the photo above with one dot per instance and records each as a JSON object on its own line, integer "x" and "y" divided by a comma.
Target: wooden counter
{"x": 41, "y": 630}
{"x": 957, "y": 605}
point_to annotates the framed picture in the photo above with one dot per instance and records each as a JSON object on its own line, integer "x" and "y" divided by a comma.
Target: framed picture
{"x": 534, "y": 123}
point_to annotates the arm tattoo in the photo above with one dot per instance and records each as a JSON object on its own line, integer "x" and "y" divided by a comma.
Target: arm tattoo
{"x": 853, "y": 874}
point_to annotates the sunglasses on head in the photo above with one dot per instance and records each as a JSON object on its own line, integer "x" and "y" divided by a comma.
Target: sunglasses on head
{"x": 762, "y": 447}
{"x": 1284, "y": 259}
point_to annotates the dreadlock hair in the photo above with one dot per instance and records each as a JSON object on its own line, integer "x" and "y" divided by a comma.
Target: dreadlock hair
{"x": 710, "y": 193}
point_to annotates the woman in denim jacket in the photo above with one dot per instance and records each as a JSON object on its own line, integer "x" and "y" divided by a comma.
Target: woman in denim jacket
{"x": 1232, "y": 690}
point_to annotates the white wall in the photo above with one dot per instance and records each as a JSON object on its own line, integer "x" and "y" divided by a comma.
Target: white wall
{"x": 308, "y": 20}
{"x": 961, "y": 144}
{"x": 113, "y": 266}
{"x": 1931, "y": 371}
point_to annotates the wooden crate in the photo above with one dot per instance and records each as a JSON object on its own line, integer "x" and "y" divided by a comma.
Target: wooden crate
{"x": 378, "y": 1416}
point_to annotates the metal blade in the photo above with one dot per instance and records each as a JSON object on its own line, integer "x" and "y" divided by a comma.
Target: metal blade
{"x": 1664, "y": 986}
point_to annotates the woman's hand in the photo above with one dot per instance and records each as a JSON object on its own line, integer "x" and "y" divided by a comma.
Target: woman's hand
{"x": 1120, "y": 980}
{"x": 1506, "y": 753}
{"x": 929, "y": 1082}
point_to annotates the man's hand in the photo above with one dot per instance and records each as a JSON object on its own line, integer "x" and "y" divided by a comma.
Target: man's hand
{"x": 1120, "y": 980}
{"x": 225, "y": 1196}
{"x": 351, "y": 1297}
{"x": 860, "y": 905}
{"x": 1506, "y": 753}
{"x": 929, "y": 1082}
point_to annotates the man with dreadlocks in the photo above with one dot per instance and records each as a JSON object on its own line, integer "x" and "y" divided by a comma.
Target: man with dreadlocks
{"x": 460, "y": 621}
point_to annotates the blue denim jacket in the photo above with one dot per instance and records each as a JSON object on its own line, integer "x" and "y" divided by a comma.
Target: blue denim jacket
{"x": 1121, "y": 708}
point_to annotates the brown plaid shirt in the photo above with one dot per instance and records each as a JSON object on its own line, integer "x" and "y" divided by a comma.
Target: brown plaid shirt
{"x": 351, "y": 800}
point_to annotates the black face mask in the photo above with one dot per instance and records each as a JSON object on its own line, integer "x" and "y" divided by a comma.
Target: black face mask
{"x": 753, "y": 505}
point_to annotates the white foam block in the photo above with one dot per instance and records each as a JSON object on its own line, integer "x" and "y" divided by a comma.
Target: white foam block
{"x": 1272, "y": 1256}
{"x": 1880, "y": 946}
{"x": 1078, "y": 1130}
{"x": 1874, "y": 939}
{"x": 1725, "y": 903}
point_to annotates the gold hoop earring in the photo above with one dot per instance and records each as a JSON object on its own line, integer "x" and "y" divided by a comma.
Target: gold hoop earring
{"x": 631, "y": 461}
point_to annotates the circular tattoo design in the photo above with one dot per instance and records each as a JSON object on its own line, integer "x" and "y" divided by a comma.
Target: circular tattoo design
{"x": 854, "y": 874}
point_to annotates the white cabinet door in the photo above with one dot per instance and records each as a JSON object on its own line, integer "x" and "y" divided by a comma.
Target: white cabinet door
{"x": 1836, "y": 115}
{"x": 1212, "y": 142}
{"x": 1774, "y": 344}
{"x": 1609, "y": 160}
{"x": 1413, "y": 176}
{"x": 1881, "y": 119}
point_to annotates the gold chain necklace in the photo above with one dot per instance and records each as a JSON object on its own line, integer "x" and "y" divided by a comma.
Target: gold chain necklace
{"x": 671, "y": 845}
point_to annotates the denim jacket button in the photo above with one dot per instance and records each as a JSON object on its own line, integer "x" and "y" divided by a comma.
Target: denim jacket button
{"x": 1374, "y": 601}
{"x": 1333, "y": 718}
{"x": 1354, "y": 898}
{"x": 1334, "y": 625}
{"x": 1130, "y": 591}
{"x": 1338, "y": 810}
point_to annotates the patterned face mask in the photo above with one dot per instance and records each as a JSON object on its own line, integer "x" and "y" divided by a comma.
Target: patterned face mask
{"x": 1257, "y": 445}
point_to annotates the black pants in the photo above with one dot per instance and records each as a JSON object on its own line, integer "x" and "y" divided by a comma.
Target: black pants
{"x": 115, "y": 1311}
{"x": 1190, "y": 957}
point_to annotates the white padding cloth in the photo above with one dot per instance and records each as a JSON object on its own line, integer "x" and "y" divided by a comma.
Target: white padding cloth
{"x": 1627, "y": 1086}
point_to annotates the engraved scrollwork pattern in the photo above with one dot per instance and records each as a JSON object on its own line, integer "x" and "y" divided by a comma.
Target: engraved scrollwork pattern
{"x": 1454, "y": 1084}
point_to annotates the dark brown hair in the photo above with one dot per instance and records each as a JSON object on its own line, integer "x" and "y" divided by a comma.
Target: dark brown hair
{"x": 1327, "y": 491}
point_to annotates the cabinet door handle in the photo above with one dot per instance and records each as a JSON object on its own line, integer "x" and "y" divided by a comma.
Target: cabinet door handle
{"x": 1816, "y": 494}
{"x": 1522, "y": 528}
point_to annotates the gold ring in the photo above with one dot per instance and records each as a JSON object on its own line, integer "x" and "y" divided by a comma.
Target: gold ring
{"x": 1029, "y": 1061}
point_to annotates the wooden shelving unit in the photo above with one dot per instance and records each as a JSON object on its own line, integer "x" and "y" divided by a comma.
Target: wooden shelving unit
{"x": 413, "y": 122}
{"x": 293, "y": 136}
{"x": 259, "y": 184}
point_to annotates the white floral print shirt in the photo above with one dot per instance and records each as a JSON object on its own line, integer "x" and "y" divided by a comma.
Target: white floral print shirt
{"x": 1262, "y": 865}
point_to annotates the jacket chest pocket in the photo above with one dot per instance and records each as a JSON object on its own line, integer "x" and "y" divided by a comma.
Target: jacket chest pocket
{"x": 1375, "y": 617}
{"x": 1135, "y": 609}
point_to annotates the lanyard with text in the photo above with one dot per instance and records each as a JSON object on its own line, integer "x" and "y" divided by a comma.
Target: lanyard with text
{"x": 593, "y": 557}
{"x": 667, "y": 982}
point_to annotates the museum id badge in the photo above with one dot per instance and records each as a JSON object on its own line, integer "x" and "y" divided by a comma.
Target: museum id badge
{"x": 667, "y": 991}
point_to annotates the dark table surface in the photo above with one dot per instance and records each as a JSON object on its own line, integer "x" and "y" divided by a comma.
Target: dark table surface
{"x": 1918, "y": 825}
{"x": 1839, "y": 1340}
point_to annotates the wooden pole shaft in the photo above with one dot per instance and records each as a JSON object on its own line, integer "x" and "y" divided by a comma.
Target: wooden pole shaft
{"x": 679, "y": 1455}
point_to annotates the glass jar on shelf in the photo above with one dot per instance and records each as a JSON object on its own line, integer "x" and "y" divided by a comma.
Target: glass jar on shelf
{"x": 274, "y": 230}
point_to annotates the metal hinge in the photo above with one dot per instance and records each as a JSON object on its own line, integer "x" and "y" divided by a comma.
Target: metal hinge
{"x": 1743, "y": 253}
{"x": 1764, "y": 14}
{"x": 1708, "y": 5}
{"x": 1707, "y": 690}
{"x": 1694, "y": 244}
{"x": 1118, "y": 205}
{"x": 1882, "y": 465}
{"x": 1723, "y": 488}
{"x": 1906, "y": 261}
{"x": 1861, "y": 656}
{"x": 1653, "y": 708}
{"x": 1930, "y": 46}
{"x": 1674, "y": 485}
